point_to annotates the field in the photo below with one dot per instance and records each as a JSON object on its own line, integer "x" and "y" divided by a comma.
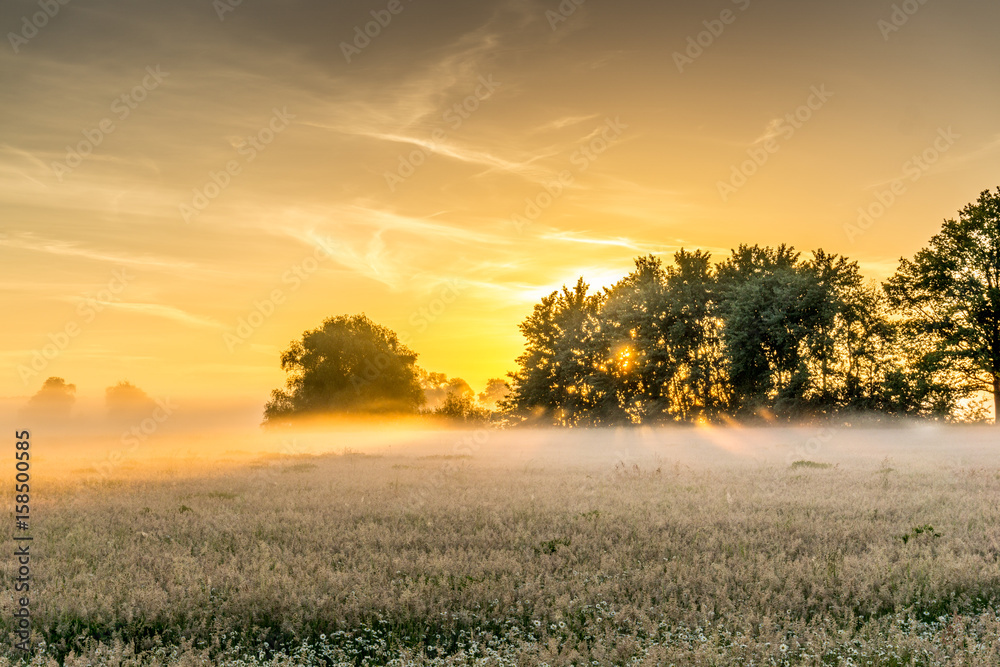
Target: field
{"x": 672, "y": 547}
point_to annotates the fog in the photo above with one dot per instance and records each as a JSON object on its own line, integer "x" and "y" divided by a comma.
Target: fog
{"x": 199, "y": 438}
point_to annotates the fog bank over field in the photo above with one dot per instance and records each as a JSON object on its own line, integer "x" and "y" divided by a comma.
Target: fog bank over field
{"x": 199, "y": 443}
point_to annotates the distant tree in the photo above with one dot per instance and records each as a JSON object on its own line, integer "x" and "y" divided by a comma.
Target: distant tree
{"x": 126, "y": 401}
{"x": 949, "y": 294}
{"x": 459, "y": 406}
{"x": 867, "y": 348}
{"x": 348, "y": 365}
{"x": 437, "y": 387}
{"x": 54, "y": 400}
{"x": 497, "y": 389}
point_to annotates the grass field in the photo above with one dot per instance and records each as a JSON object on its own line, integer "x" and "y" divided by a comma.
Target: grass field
{"x": 688, "y": 547}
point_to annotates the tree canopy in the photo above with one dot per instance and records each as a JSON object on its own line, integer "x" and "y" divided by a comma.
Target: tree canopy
{"x": 125, "y": 401}
{"x": 765, "y": 334}
{"x": 348, "y": 365}
{"x": 949, "y": 295}
{"x": 54, "y": 399}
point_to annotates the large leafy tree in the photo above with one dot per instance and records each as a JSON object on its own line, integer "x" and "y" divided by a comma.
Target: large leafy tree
{"x": 348, "y": 365}
{"x": 699, "y": 386}
{"x": 950, "y": 295}
{"x": 557, "y": 380}
{"x": 635, "y": 365}
{"x": 659, "y": 340}
{"x": 770, "y": 304}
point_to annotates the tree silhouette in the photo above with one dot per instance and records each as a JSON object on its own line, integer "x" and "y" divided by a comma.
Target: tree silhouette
{"x": 763, "y": 334}
{"x": 54, "y": 400}
{"x": 497, "y": 389}
{"x": 348, "y": 365}
{"x": 950, "y": 294}
{"x": 125, "y": 401}
{"x": 556, "y": 379}
{"x": 437, "y": 387}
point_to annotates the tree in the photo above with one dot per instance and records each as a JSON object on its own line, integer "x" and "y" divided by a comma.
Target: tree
{"x": 459, "y": 406}
{"x": 950, "y": 295}
{"x": 497, "y": 389}
{"x": 348, "y": 365}
{"x": 557, "y": 377}
{"x": 770, "y": 303}
{"x": 699, "y": 386}
{"x": 126, "y": 401}
{"x": 659, "y": 342}
{"x": 636, "y": 366}
{"x": 437, "y": 387}
{"x": 54, "y": 400}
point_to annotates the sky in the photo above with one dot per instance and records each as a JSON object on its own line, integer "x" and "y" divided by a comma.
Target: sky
{"x": 187, "y": 187}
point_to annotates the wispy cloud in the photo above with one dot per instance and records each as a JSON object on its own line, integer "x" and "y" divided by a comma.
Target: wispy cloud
{"x": 166, "y": 312}
{"x": 564, "y": 122}
{"x": 28, "y": 241}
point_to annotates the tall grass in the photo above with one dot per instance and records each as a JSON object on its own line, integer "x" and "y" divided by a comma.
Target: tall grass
{"x": 355, "y": 559}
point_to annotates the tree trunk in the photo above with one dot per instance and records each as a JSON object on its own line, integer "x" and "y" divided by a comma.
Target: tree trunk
{"x": 996, "y": 399}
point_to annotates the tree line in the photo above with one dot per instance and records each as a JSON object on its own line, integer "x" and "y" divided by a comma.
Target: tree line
{"x": 764, "y": 334}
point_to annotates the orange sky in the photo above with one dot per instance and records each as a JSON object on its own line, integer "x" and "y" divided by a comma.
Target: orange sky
{"x": 397, "y": 174}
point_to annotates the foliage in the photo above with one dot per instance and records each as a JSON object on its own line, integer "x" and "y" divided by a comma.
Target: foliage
{"x": 462, "y": 407}
{"x": 766, "y": 334}
{"x": 949, "y": 294}
{"x": 125, "y": 401}
{"x": 349, "y": 365}
{"x": 54, "y": 400}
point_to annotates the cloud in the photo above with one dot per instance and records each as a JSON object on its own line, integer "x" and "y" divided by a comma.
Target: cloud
{"x": 28, "y": 241}
{"x": 166, "y": 312}
{"x": 564, "y": 122}
{"x": 772, "y": 131}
